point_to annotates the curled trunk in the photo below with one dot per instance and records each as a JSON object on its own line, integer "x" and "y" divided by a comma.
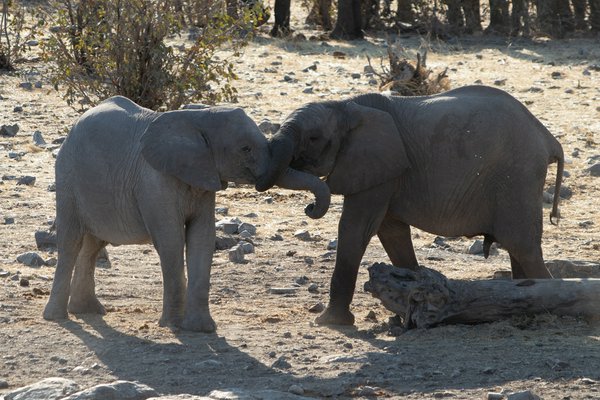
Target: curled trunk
{"x": 296, "y": 180}
{"x": 279, "y": 173}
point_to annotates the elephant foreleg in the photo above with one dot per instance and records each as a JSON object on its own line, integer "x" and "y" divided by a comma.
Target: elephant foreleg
{"x": 83, "y": 294}
{"x": 361, "y": 218}
{"x": 200, "y": 245}
{"x": 395, "y": 237}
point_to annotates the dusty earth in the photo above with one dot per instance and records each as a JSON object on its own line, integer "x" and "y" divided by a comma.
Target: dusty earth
{"x": 267, "y": 340}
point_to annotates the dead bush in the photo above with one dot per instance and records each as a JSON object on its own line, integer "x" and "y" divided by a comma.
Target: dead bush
{"x": 407, "y": 78}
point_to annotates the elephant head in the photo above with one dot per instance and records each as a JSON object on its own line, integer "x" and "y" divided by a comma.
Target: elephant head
{"x": 355, "y": 147}
{"x": 206, "y": 148}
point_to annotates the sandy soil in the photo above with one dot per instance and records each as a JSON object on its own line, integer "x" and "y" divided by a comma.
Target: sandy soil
{"x": 267, "y": 340}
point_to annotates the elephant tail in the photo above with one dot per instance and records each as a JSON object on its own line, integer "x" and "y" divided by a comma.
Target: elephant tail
{"x": 559, "y": 173}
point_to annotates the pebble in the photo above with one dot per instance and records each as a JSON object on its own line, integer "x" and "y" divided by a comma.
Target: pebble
{"x": 18, "y": 109}
{"x": 9, "y": 220}
{"x": 222, "y": 211}
{"x": 594, "y": 170}
{"x": 26, "y": 85}
{"x": 302, "y": 234}
{"x": 248, "y": 248}
{"x": 494, "y": 396}
{"x": 31, "y": 259}
{"x": 3, "y": 384}
{"x": 276, "y": 238}
{"x": 312, "y": 67}
{"x": 525, "y": 395}
{"x": 38, "y": 139}
{"x": 268, "y": 200}
{"x": 367, "y": 69}
{"x": 355, "y": 75}
{"x": 281, "y": 363}
{"x": 441, "y": 242}
{"x": 332, "y": 245}
{"x": 14, "y": 155}
{"x": 367, "y": 391}
{"x": 236, "y": 254}
{"x": 230, "y": 228}
{"x": 308, "y": 90}
{"x": 267, "y": 127}
{"x": 26, "y": 180}
{"x": 247, "y": 227}
{"x": 313, "y": 288}
{"x": 9, "y": 130}
{"x": 24, "y": 282}
{"x": 296, "y": 389}
{"x": 565, "y": 192}
{"x": 225, "y": 242}
{"x": 45, "y": 240}
{"x": 246, "y": 235}
{"x": 317, "y": 308}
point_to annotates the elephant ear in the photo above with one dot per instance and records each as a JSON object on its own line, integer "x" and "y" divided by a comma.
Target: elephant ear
{"x": 371, "y": 153}
{"x": 174, "y": 144}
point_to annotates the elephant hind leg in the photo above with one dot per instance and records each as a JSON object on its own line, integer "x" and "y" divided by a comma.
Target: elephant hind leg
{"x": 69, "y": 241}
{"x": 526, "y": 256}
{"x": 83, "y": 294}
{"x": 395, "y": 237}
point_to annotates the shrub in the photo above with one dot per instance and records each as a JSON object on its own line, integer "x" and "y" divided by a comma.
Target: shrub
{"x": 13, "y": 33}
{"x": 102, "y": 48}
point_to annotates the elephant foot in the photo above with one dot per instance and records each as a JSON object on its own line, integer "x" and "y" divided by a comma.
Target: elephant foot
{"x": 199, "y": 323}
{"x": 90, "y": 305}
{"x": 333, "y": 316}
{"x": 54, "y": 313}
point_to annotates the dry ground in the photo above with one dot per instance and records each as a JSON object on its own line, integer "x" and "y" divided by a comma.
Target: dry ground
{"x": 266, "y": 340}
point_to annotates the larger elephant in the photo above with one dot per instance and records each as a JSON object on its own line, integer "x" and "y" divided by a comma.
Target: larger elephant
{"x": 471, "y": 161}
{"x": 126, "y": 174}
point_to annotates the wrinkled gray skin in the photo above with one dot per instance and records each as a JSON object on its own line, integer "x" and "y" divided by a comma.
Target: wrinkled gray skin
{"x": 128, "y": 175}
{"x": 471, "y": 161}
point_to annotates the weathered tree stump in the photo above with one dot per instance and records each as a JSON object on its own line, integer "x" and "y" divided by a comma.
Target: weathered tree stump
{"x": 425, "y": 298}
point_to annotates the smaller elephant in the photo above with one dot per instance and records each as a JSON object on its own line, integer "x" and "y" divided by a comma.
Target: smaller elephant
{"x": 126, "y": 174}
{"x": 470, "y": 161}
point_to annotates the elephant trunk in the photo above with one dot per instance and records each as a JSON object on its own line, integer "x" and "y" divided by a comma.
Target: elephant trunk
{"x": 282, "y": 151}
{"x": 279, "y": 173}
{"x": 297, "y": 180}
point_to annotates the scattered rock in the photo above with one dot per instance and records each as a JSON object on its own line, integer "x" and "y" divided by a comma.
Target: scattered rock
{"x": 339, "y": 54}
{"x": 594, "y": 170}
{"x": 26, "y": 180}
{"x": 46, "y": 389}
{"x": 3, "y": 384}
{"x": 26, "y": 85}
{"x": 38, "y": 139}
{"x": 283, "y": 290}
{"x": 24, "y": 282}
{"x": 9, "y": 130}
{"x": 276, "y": 238}
{"x": 526, "y": 395}
{"x": 332, "y": 245}
{"x": 247, "y": 227}
{"x": 222, "y": 211}
{"x": 236, "y": 254}
{"x": 441, "y": 242}
{"x": 268, "y": 200}
{"x": 302, "y": 234}
{"x": 45, "y": 240}
{"x": 355, "y": 75}
{"x": 9, "y": 220}
{"x": 317, "y": 308}
{"x": 494, "y": 396}
{"x": 296, "y": 389}
{"x": 225, "y": 242}
{"x": 566, "y": 269}
{"x": 247, "y": 247}
{"x": 267, "y": 127}
{"x": 476, "y": 248}
{"x": 230, "y": 228}
{"x": 281, "y": 363}
{"x": 368, "y": 69}
{"x": 313, "y": 288}
{"x": 500, "y": 82}
{"x": 118, "y": 390}
{"x": 308, "y": 90}
{"x": 18, "y": 109}
{"x": 312, "y": 67}
{"x": 565, "y": 192}
{"x": 31, "y": 259}
{"x": 367, "y": 391}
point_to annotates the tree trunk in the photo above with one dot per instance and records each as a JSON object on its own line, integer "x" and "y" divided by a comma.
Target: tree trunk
{"x": 425, "y": 298}
{"x": 595, "y": 15}
{"x": 348, "y": 24}
{"x": 499, "y": 18}
{"x": 555, "y": 17}
{"x": 281, "y": 27}
{"x": 520, "y": 17}
{"x": 319, "y": 14}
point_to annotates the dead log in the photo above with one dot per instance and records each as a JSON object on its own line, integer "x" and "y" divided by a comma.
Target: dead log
{"x": 425, "y": 298}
